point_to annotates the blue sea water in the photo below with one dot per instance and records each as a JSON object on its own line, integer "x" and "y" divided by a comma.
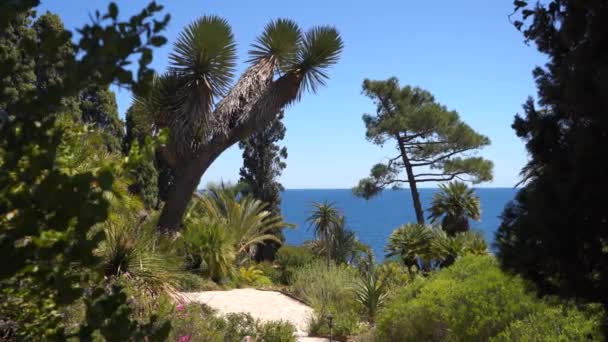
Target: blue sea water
{"x": 374, "y": 220}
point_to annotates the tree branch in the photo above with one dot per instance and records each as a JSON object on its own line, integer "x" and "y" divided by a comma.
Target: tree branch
{"x": 445, "y": 156}
{"x": 423, "y": 133}
{"x": 444, "y": 179}
{"x": 426, "y": 143}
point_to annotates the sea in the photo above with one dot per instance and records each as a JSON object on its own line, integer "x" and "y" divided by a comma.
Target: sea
{"x": 373, "y": 220}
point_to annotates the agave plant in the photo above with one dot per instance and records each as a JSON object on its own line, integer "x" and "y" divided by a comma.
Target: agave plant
{"x": 455, "y": 204}
{"x": 412, "y": 243}
{"x": 371, "y": 293}
{"x": 202, "y": 66}
{"x": 131, "y": 250}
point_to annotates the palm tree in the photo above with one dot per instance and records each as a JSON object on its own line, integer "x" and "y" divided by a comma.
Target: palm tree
{"x": 323, "y": 220}
{"x": 246, "y": 219}
{"x": 412, "y": 243}
{"x": 456, "y": 204}
{"x": 202, "y": 66}
{"x": 345, "y": 247}
{"x": 209, "y": 247}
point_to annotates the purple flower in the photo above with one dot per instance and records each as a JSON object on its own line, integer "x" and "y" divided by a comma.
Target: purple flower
{"x": 180, "y": 307}
{"x": 184, "y": 338}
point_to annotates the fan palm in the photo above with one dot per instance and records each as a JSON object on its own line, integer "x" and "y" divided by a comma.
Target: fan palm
{"x": 446, "y": 249}
{"x": 455, "y": 204}
{"x": 324, "y": 219}
{"x": 202, "y": 66}
{"x": 412, "y": 243}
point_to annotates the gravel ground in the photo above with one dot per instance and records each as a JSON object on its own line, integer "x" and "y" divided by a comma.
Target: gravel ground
{"x": 263, "y": 305}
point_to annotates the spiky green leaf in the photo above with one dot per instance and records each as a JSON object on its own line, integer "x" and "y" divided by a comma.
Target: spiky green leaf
{"x": 320, "y": 49}
{"x": 205, "y": 54}
{"x": 280, "y": 39}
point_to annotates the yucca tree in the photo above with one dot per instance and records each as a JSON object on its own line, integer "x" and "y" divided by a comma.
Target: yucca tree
{"x": 202, "y": 66}
{"x": 455, "y": 204}
{"x": 323, "y": 220}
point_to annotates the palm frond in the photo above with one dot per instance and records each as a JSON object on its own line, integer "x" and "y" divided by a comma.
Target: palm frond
{"x": 280, "y": 40}
{"x": 320, "y": 49}
{"x": 205, "y": 54}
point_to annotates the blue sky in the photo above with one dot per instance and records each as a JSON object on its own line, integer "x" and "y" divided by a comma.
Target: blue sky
{"x": 466, "y": 53}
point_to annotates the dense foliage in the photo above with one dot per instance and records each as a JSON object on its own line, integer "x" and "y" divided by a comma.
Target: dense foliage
{"x": 263, "y": 162}
{"x": 473, "y": 300}
{"x": 47, "y": 211}
{"x": 555, "y": 233}
{"x": 431, "y": 141}
{"x": 427, "y": 248}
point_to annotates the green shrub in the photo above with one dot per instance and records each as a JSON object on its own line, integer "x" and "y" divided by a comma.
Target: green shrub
{"x": 198, "y": 323}
{"x": 395, "y": 275}
{"x": 271, "y": 271}
{"x": 292, "y": 258}
{"x": 554, "y": 324}
{"x": 276, "y": 331}
{"x": 345, "y": 323}
{"x": 252, "y": 275}
{"x": 194, "y": 282}
{"x": 471, "y": 301}
{"x": 329, "y": 291}
{"x": 239, "y": 325}
{"x": 321, "y": 286}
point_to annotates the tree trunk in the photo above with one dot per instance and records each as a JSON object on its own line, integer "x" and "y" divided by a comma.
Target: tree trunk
{"x": 412, "y": 182}
{"x": 189, "y": 172}
{"x": 328, "y": 242}
{"x": 186, "y": 179}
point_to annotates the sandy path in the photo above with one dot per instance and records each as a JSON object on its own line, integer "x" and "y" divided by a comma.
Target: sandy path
{"x": 263, "y": 305}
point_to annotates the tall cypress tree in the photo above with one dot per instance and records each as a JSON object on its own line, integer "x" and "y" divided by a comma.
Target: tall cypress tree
{"x": 555, "y": 232}
{"x": 263, "y": 162}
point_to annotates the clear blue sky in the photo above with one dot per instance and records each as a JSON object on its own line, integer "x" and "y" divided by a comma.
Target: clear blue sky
{"x": 466, "y": 53}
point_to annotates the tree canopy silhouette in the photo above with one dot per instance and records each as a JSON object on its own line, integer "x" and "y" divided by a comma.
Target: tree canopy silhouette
{"x": 555, "y": 232}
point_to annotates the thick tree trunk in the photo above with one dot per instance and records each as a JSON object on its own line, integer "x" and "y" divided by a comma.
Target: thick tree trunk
{"x": 189, "y": 172}
{"x": 412, "y": 182}
{"x": 186, "y": 179}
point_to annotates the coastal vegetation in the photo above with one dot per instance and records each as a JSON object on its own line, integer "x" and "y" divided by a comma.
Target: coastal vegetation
{"x": 102, "y": 229}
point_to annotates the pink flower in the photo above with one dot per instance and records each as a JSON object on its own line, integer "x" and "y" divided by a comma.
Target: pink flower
{"x": 184, "y": 338}
{"x": 180, "y": 307}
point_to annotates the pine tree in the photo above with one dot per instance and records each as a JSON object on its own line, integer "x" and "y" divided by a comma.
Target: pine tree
{"x": 426, "y": 135}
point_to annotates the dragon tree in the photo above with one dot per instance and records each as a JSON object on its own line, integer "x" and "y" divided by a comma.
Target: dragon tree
{"x": 205, "y": 114}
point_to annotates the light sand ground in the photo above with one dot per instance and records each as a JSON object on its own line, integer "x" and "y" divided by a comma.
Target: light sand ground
{"x": 263, "y": 305}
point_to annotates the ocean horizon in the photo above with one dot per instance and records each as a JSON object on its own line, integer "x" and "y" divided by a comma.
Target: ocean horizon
{"x": 373, "y": 220}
